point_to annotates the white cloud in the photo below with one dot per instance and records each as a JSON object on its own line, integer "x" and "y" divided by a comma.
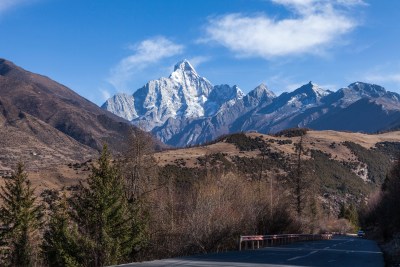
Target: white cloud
{"x": 105, "y": 94}
{"x": 144, "y": 54}
{"x": 388, "y": 77}
{"x": 8, "y": 4}
{"x": 315, "y": 26}
{"x": 352, "y": 2}
{"x": 301, "y": 6}
{"x": 319, "y": 6}
{"x": 294, "y": 2}
{"x": 198, "y": 60}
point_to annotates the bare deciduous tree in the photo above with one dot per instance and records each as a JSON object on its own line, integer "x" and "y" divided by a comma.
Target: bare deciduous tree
{"x": 139, "y": 167}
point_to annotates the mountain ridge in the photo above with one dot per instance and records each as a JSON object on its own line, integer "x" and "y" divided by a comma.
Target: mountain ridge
{"x": 226, "y": 109}
{"x": 60, "y": 107}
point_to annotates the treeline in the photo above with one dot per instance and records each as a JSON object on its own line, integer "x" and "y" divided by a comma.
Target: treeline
{"x": 129, "y": 209}
{"x": 384, "y": 209}
{"x": 95, "y": 226}
{"x": 382, "y": 215}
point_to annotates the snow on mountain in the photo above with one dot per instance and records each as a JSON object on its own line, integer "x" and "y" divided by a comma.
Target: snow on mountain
{"x": 122, "y": 105}
{"x": 186, "y": 109}
{"x": 200, "y": 130}
{"x": 261, "y": 92}
{"x": 359, "y": 90}
{"x": 300, "y": 99}
{"x": 183, "y": 95}
{"x": 222, "y": 97}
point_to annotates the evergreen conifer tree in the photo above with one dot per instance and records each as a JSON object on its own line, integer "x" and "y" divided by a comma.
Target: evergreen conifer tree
{"x": 20, "y": 220}
{"x": 101, "y": 212}
{"x": 60, "y": 240}
{"x": 350, "y": 213}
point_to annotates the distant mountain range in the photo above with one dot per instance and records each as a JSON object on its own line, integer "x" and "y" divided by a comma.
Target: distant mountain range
{"x": 186, "y": 109}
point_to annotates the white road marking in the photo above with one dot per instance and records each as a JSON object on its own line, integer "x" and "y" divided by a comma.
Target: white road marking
{"x": 299, "y": 257}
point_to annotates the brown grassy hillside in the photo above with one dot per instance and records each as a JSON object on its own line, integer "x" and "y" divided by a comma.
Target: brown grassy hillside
{"x": 344, "y": 166}
{"x": 330, "y": 142}
{"x": 342, "y": 163}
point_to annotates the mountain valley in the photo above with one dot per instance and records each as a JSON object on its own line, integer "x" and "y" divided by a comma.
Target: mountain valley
{"x": 57, "y": 135}
{"x": 48, "y": 126}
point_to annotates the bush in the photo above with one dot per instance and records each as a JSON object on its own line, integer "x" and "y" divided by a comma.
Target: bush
{"x": 246, "y": 143}
{"x": 292, "y": 132}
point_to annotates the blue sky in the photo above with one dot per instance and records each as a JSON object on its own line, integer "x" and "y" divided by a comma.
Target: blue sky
{"x": 100, "y": 47}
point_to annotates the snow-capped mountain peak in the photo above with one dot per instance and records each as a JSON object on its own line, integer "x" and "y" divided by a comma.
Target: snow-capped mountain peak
{"x": 183, "y": 95}
{"x": 183, "y": 70}
{"x": 185, "y": 66}
{"x": 369, "y": 89}
{"x": 262, "y": 91}
{"x": 221, "y": 97}
{"x": 312, "y": 90}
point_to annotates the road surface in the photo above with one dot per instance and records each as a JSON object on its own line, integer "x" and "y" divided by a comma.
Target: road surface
{"x": 339, "y": 251}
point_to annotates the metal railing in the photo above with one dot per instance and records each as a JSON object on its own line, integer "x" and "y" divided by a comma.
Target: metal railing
{"x": 257, "y": 241}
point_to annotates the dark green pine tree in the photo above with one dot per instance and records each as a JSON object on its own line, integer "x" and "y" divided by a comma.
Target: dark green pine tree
{"x": 101, "y": 212}
{"x": 60, "y": 240}
{"x": 20, "y": 220}
{"x": 350, "y": 213}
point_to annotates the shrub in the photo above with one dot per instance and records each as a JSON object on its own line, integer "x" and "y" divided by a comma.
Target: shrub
{"x": 292, "y": 132}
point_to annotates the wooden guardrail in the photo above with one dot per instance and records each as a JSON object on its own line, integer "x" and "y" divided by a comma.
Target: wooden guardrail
{"x": 257, "y": 241}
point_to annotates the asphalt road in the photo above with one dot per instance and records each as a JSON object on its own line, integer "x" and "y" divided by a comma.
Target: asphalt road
{"x": 339, "y": 251}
